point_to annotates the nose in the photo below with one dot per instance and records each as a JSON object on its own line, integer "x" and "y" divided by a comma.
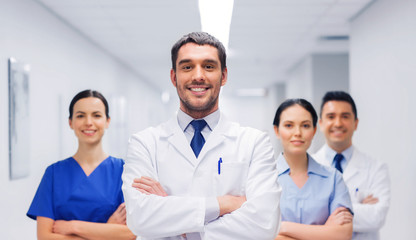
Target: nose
{"x": 338, "y": 122}
{"x": 199, "y": 74}
{"x": 298, "y": 131}
{"x": 88, "y": 120}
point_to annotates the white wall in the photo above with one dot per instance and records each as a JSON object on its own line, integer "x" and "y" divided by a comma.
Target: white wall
{"x": 313, "y": 77}
{"x": 257, "y": 112}
{"x": 383, "y": 83}
{"x": 300, "y": 80}
{"x": 63, "y": 63}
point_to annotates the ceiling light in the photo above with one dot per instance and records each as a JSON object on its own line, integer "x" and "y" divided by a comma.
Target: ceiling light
{"x": 216, "y": 18}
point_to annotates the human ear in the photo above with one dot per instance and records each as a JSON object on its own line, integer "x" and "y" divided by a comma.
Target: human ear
{"x": 276, "y": 131}
{"x": 70, "y": 123}
{"x": 224, "y": 76}
{"x": 107, "y": 124}
{"x": 321, "y": 127}
{"x": 173, "y": 77}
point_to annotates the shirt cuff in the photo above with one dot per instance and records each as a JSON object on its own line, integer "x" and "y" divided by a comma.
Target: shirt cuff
{"x": 212, "y": 209}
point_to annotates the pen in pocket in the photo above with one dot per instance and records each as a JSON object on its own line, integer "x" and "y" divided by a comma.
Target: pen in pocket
{"x": 219, "y": 166}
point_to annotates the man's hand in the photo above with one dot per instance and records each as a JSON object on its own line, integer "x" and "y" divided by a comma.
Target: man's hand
{"x": 149, "y": 186}
{"x": 229, "y": 203}
{"x": 339, "y": 216}
{"x": 370, "y": 200}
{"x": 119, "y": 216}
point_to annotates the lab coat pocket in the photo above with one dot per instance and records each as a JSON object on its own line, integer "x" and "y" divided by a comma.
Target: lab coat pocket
{"x": 231, "y": 179}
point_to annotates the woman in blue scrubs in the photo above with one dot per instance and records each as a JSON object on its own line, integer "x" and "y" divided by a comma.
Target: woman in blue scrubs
{"x": 80, "y": 197}
{"x": 315, "y": 203}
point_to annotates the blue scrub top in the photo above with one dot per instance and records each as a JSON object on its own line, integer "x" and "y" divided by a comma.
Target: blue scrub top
{"x": 66, "y": 193}
{"x": 323, "y": 192}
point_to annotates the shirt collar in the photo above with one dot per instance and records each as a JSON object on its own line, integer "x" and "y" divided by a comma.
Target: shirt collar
{"x": 282, "y": 166}
{"x": 330, "y": 153}
{"x": 184, "y": 119}
{"x": 313, "y": 167}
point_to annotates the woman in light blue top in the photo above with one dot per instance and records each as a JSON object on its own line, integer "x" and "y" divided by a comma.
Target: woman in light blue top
{"x": 315, "y": 203}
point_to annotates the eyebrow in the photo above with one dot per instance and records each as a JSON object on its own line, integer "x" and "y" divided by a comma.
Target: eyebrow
{"x": 205, "y": 61}
{"x": 343, "y": 113}
{"x": 184, "y": 61}
{"x": 211, "y": 61}
{"x": 84, "y": 112}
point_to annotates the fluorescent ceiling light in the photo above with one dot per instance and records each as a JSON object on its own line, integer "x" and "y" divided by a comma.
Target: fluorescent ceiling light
{"x": 216, "y": 18}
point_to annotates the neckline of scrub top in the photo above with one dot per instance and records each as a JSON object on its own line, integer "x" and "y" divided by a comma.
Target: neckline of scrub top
{"x": 80, "y": 168}
{"x": 313, "y": 166}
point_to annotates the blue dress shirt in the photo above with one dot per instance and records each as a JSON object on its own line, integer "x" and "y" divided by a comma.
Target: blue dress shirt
{"x": 184, "y": 120}
{"x": 323, "y": 192}
{"x": 212, "y": 208}
{"x": 347, "y": 153}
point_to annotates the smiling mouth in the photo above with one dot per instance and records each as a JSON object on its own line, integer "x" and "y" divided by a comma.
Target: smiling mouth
{"x": 338, "y": 132}
{"x": 297, "y": 142}
{"x": 200, "y": 89}
{"x": 89, "y": 132}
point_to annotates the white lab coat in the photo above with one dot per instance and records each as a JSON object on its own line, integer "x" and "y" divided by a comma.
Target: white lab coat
{"x": 248, "y": 168}
{"x": 369, "y": 176}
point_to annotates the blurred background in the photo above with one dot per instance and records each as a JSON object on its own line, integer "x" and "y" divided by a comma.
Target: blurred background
{"x": 277, "y": 49}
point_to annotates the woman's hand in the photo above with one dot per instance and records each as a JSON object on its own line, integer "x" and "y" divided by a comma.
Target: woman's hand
{"x": 149, "y": 186}
{"x": 339, "y": 216}
{"x": 119, "y": 216}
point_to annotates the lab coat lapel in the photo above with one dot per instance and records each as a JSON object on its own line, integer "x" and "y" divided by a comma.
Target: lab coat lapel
{"x": 354, "y": 167}
{"x": 176, "y": 137}
{"x": 223, "y": 130}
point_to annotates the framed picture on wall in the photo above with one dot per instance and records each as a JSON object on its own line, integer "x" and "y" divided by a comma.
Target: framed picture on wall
{"x": 19, "y": 122}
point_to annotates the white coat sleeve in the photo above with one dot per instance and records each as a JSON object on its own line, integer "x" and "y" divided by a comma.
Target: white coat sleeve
{"x": 152, "y": 216}
{"x": 371, "y": 217}
{"x": 259, "y": 217}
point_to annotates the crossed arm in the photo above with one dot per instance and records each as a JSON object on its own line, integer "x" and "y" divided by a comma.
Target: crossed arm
{"x": 258, "y": 217}
{"x": 370, "y": 214}
{"x": 115, "y": 228}
{"x": 337, "y": 226}
{"x": 227, "y": 203}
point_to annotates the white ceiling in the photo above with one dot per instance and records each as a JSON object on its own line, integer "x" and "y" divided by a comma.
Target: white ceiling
{"x": 267, "y": 37}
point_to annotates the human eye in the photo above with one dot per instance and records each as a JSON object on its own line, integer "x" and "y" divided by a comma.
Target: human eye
{"x": 288, "y": 125}
{"x": 186, "y": 67}
{"x": 97, "y": 115}
{"x": 209, "y": 67}
{"x": 306, "y": 125}
{"x": 79, "y": 116}
{"x": 330, "y": 116}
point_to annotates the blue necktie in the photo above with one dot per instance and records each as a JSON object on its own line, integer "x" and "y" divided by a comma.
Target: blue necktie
{"x": 198, "y": 140}
{"x": 338, "y": 159}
